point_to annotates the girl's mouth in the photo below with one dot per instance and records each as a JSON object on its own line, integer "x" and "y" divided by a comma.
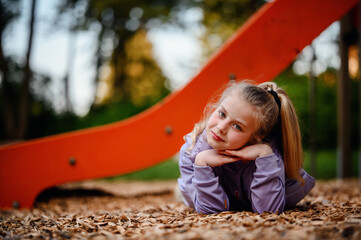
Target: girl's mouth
{"x": 216, "y": 137}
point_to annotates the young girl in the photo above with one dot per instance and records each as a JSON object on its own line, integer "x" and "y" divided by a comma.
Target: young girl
{"x": 246, "y": 154}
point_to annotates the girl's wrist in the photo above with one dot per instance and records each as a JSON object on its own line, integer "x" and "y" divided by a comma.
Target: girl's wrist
{"x": 200, "y": 162}
{"x": 265, "y": 150}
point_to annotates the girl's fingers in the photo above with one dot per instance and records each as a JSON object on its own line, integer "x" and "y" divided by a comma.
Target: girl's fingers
{"x": 222, "y": 152}
{"x": 242, "y": 154}
{"x": 232, "y": 153}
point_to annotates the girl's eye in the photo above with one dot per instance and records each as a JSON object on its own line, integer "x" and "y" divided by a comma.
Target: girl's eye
{"x": 237, "y": 127}
{"x": 222, "y": 114}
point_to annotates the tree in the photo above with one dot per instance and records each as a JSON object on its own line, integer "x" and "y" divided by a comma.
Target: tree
{"x": 24, "y": 104}
{"x": 222, "y": 18}
{"x": 117, "y": 23}
{"x": 9, "y": 11}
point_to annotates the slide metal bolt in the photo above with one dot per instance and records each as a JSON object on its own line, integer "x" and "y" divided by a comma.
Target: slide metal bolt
{"x": 72, "y": 161}
{"x": 168, "y": 130}
{"x": 231, "y": 76}
{"x": 16, "y": 204}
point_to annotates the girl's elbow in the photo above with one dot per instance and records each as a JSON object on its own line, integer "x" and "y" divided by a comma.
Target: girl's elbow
{"x": 204, "y": 208}
{"x": 274, "y": 207}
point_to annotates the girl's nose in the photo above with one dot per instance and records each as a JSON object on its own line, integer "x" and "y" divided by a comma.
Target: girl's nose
{"x": 222, "y": 126}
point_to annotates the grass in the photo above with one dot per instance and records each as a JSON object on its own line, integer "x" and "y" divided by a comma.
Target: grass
{"x": 326, "y": 164}
{"x": 165, "y": 171}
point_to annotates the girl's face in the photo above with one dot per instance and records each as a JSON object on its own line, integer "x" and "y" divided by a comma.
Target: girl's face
{"x": 231, "y": 125}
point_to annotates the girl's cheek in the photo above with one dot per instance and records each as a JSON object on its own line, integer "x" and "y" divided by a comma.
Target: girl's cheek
{"x": 237, "y": 138}
{"x": 212, "y": 120}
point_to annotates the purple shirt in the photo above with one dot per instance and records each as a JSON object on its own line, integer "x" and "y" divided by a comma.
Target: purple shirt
{"x": 256, "y": 186}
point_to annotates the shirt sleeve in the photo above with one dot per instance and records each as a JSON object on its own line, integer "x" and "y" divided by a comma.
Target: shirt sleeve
{"x": 199, "y": 185}
{"x": 295, "y": 191}
{"x": 268, "y": 185}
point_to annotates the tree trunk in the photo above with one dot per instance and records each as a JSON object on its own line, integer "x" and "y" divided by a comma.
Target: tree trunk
{"x": 70, "y": 67}
{"x": 312, "y": 115}
{"x": 8, "y": 111}
{"x": 344, "y": 102}
{"x": 99, "y": 62}
{"x": 25, "y": 96}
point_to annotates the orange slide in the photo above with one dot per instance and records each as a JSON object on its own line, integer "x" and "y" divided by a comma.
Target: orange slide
{"x": 259, "y": 50}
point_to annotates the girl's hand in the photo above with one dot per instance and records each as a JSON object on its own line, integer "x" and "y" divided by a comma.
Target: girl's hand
{"x": 249, "y": 153}
{"x": 213, "y": 158}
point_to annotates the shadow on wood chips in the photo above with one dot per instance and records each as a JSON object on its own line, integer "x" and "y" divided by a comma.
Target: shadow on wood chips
{"x": 58, "y": 192}
{"x": 104, "y": 189}
{"x": 148, "y": 210}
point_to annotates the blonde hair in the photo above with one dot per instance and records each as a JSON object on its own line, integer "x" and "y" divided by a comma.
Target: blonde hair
{"x": 285, "y": 129}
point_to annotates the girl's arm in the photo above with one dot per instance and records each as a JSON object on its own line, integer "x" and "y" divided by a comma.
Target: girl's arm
{"x": 295, "y": 191}
{"x": 268, "y": 184}
{"x": 199, "y": 185}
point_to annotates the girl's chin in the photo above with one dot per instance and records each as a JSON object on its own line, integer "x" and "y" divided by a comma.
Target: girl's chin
{"x": 216, "y": 147}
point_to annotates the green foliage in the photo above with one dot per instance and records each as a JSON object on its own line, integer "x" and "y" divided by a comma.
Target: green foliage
{"x": 113, "y": 112}
{"x": 326, "y": 164}
{"x": 326, "y": 106}
{"x": 49, "y": 123}
{"x": 222, "y": 18}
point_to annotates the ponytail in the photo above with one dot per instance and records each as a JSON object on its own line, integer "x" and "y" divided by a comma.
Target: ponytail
{"x": 291, "y": 138}
{"x": 286, "y": 130}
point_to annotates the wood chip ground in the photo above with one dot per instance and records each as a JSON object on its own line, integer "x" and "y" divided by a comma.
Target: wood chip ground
{"x": 148, "y": 210}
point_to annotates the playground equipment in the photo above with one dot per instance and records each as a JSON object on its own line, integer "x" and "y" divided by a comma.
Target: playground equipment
{"x": 264, "y": 46}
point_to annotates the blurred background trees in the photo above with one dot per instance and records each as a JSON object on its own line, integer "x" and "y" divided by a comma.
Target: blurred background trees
{"x": 123, "y": 56}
